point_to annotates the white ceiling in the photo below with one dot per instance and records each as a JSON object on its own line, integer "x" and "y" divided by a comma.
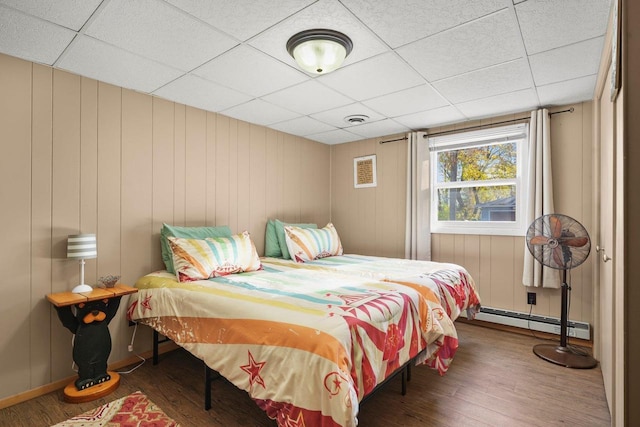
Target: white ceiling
{"x": 415, "y": 63}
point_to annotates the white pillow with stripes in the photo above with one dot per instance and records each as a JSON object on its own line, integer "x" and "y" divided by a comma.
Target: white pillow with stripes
{"x": 235, "y": 254}
{"x": 306, "y": 244}
{"x": 197, "y": 259}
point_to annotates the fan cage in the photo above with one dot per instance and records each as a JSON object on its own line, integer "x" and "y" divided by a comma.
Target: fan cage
{"x": 556, "y": 241}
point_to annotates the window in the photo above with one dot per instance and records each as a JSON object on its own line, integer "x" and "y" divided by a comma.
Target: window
{"x": 477, "y": 181}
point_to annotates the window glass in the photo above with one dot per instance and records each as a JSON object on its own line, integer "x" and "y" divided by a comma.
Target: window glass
{"x": 478, "y": 181}
{"x": 479, "y": 163}
{"x": 488, "y": 203}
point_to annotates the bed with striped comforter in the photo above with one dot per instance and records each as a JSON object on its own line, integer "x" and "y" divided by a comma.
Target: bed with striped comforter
{"x": 307, "y": 344}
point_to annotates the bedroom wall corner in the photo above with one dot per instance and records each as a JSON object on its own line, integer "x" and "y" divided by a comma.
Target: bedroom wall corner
{"x": 372, "y": 220}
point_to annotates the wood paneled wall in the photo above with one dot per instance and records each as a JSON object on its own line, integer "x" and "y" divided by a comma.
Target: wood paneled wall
{"x": 372, "y": 220}
{"x": 83, "y": 156}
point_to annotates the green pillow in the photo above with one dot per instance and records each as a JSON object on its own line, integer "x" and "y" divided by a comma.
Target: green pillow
{"x": 187, "y": 233}
{"x": 279, "y": 226}
{"x": 271, "y": 245}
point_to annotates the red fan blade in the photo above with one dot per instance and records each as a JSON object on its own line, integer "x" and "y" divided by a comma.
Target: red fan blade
{"x": 556, "y": 226}
{"x": 539, "y": 240}
{"x": 574, "y": 241}
{"x": 557, "y": 256}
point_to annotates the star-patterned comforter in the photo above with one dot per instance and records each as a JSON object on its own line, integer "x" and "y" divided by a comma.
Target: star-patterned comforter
{"x": 306, "y": 344}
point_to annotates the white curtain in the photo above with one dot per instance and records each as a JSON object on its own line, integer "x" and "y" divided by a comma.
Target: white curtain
{"x": 418, "y": 233}
{"x": 540, "y": 196}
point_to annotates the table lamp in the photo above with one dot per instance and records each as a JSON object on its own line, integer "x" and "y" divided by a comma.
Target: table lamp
{"x": 82, "y": 246}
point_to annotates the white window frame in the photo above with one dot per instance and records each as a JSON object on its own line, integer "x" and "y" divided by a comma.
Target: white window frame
{"x": 438, "y": 143}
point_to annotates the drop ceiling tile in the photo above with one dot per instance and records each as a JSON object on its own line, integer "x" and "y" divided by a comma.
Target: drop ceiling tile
{"x": 402, "y": 22}
{"x": 338, "y": 136}
{"x": 71, "y": 14}
{"x": 407, "y": 101}
{"x": 484, "y": 42}
{"x": 260, "y": 112}
{"x": 322, "y": 14}
{"x": 507, "y": 77}
{"x": 308, "y": 98}
{"x": 567, "y": 92}
{"x": 158, "y": 31}
{"x": 568, "y": 62}
{"x": 92, "y": 58}
{"x": 200, "y": 93}
{"x": 302, "y": 126}
{"x": 549, "y": 24}
{"x": 431, "y": 118}
{"x": 373, "y": 77}
{"x": 241, "y": 18}
{"x": 248, "y": 70}
{"x": 30, "y": 38}
{"x": 512, "y": 102}
{"x": 464, "y": 45}
{"x": 335, "y": 116}
{"x": 382, "y": 127}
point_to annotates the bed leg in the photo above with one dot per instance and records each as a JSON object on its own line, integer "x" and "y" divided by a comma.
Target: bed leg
{"x": 207, "y": 387}
{"x": 404, "y": 381}
{"x": 156, "y": 339}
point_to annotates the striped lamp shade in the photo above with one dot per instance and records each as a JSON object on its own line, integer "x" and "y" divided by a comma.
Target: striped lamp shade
{"x": 82, "y": 246}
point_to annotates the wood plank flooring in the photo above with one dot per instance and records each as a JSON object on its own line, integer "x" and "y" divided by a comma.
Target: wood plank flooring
{"x": 495, "y": 380}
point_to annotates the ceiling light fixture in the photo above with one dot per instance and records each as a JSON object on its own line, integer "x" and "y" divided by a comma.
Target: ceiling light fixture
{"x": 319, "y": 51}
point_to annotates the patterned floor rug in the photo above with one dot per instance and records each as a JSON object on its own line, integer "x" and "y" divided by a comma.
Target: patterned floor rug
{"x": 135, "y": 410}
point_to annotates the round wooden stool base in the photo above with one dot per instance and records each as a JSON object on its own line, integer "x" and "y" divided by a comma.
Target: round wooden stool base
{"x": 72, "y": 395}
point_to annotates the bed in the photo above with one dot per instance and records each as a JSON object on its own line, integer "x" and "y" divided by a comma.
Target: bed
{"x": 308, "y": 342}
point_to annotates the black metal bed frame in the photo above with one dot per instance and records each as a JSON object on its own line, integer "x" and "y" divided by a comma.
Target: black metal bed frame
{"x": 210, "y": 375}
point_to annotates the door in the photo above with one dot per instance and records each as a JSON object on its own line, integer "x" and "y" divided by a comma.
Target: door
{"x": 605, "y": 245}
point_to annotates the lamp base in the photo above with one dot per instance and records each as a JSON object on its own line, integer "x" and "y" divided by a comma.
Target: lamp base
{"x": 564, "y": 356}
{"x": 82, "y": 289}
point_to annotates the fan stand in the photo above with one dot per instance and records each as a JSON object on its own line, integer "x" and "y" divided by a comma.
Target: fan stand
{"x": 561, "y": 354}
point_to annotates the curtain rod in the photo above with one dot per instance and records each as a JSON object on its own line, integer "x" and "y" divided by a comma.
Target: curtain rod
{"x": 570, "y": 110}
{"x": 394, "y": 140}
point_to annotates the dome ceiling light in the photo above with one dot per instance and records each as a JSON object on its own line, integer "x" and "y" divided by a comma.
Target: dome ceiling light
{"x": 319, "y": 51}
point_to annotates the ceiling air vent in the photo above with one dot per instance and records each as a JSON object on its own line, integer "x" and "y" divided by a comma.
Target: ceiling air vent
{"x": 356, "y": 119}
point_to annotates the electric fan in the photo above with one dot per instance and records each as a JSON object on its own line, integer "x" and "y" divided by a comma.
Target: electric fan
{"x": 560, "y": 242}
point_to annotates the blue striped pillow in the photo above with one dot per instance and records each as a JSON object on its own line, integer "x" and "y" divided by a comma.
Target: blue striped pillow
{"x": 306, "y": 244}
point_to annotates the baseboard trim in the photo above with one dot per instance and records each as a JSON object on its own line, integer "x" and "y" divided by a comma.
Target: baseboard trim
{"x": 522, "y": 331}
{"x": 60, "y": 384}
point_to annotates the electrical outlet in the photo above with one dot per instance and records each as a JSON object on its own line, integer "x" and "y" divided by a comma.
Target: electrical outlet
{"x": 531, "y": 298}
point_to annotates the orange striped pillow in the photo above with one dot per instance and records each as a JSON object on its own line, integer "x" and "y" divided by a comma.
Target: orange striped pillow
{"x": 192, "y": 258}
{"x": 306, "y": 244}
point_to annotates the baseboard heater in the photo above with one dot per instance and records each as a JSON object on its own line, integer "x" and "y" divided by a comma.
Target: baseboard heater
{"x": 534, "y": 322}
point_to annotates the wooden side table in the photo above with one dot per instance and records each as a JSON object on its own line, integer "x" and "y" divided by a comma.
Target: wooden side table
{"x": 92, "y": 344}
